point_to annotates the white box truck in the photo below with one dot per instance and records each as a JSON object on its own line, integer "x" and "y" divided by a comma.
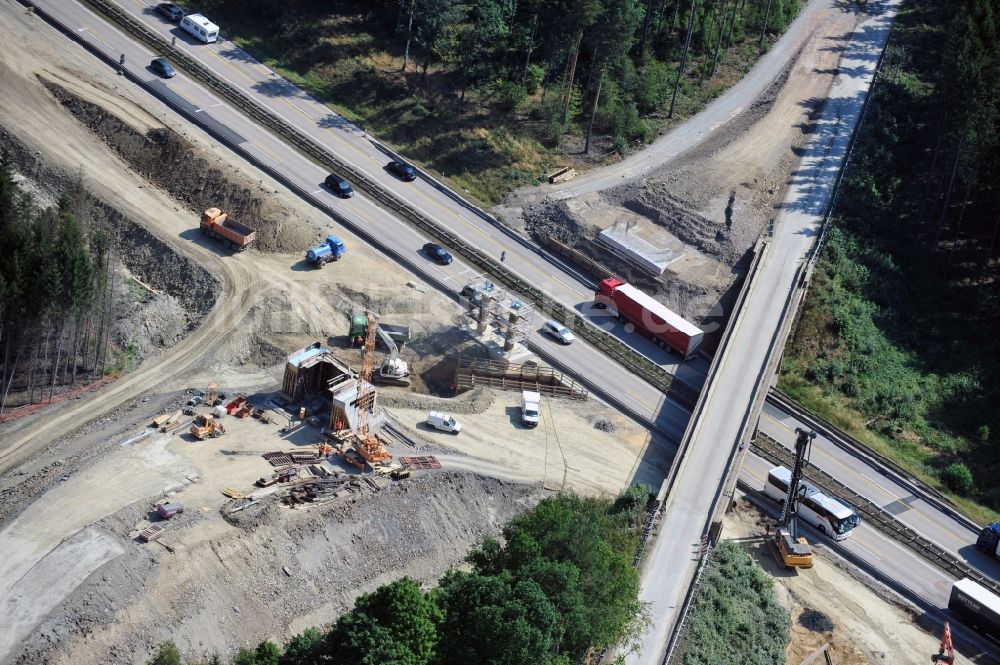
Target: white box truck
{"x": 530, "y": 402}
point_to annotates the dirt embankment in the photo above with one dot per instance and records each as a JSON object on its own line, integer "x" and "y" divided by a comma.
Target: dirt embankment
{"x": 158, "y": 294}
{"x": 220, "y": 593}
{"x": 189, "y": 175}
{"x": 702, "y": 211}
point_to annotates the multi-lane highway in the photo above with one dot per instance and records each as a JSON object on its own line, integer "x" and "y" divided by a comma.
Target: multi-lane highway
{"x": 908, "y": 503}
{"x": 872, "y": 546}
{"x": 385, "y": 230}
{"x": 349, "y": 143}
{"x": 716, "y": 433}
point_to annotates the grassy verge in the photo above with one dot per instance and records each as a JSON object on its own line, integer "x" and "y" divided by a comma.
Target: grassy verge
{"x": 735, "y": 617}
{"x": 896, "y": 343}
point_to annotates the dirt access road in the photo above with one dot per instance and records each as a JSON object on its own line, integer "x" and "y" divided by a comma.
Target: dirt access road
{"x": 702, "y": 195}
{"x": 252, "y": 281}
{"x": 819, "y": 19}
{"x": 860, "y": 620}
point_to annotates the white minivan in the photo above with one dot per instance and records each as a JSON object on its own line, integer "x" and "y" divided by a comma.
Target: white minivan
{"x": 200, "y": 28}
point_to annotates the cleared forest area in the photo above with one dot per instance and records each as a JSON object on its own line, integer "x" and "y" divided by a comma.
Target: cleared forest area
{"x": 897, "y": 341}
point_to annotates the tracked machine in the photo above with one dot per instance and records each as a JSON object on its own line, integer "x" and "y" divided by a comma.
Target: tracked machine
{"x": 793, "y": 549}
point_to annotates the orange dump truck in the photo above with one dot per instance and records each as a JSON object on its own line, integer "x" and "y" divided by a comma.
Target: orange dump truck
{"x": 218, "y": 225}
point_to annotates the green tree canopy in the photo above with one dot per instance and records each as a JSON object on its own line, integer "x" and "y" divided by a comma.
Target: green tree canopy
{"x": 495, "y": 620}
{"x": 395, "y": 624}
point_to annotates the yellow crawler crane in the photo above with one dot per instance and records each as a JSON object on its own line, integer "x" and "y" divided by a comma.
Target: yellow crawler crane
{"x": 794, "y": 549}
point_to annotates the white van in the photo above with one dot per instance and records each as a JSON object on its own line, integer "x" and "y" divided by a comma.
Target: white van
{"x": 444, "y": 422}
{"x": 530, "y": 402}
{"x": 200, "y": 28}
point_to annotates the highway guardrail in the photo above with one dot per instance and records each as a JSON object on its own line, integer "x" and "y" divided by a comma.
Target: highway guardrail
{"x": 618, "y": 351}
{"x": 875, "y": 515}
{"x": 760, "y": 250}
{"x": 875, "y": 460}
{"x": 361, "y": 230}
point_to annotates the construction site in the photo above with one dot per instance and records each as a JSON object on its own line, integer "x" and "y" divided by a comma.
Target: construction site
{"x": 291, "y": 438}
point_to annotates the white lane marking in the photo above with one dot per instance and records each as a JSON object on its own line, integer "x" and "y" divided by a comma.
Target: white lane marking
{"x": 317, "y": 191}
{"x": 266, "y": 153}
{"x": 877, "y": 484}
{"x": 208, "y": 107}
{"x": 913, "y": 555}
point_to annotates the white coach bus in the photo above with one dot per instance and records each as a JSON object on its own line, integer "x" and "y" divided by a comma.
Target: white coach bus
{"x": 827, "y": 514}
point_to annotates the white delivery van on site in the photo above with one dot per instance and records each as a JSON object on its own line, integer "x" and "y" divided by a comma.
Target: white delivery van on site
{"x": 200, "y": 28}
{"x": 444, "y": 422}
{"x": 530, "y": 402}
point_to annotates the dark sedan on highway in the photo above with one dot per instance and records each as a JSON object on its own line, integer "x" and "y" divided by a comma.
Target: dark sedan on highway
{"x": 403, "y": 171}
{"x": 438, "y": 253}
{"x": 170, "y": 11}
{"x": 163, "y": 68}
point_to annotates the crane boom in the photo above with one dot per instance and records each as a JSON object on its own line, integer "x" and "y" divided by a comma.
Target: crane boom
{"x": 795, "y": 551}
{"x": 789, "y": 515}
{"x": 369, "y": 446}
{"x": 386, "y": 339}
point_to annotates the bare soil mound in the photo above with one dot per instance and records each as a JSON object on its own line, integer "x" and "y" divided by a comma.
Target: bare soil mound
{"x": 190, "y": 175}
{"x": 221, "y": 593}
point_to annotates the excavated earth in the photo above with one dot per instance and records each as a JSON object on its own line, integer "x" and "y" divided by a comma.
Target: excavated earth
{"x": 711, "y": 204}
{"x": 271, "y": 572}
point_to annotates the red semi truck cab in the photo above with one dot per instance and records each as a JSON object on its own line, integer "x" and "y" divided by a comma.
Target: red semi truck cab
{"x": 655, "y": 320}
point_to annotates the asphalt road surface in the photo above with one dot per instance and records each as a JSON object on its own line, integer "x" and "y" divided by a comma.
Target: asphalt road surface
{"x": 806, "y": 201}
{"x": 885, "y": 490}
{"x": 694, "y": 130}
{"x": 582, "y": 359}
{"x": 672, "y": 558}
{"x": 351, "y": 144}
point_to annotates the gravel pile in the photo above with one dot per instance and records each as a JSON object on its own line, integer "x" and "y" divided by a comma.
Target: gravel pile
{"x": 193, "y": 176}
{"x": 280, "y": 565}
{"x": 381, "y": 303}
{"x": 816, "y": 621}
{"x": 476, "y": 400}
{"x": 605, "y": 425}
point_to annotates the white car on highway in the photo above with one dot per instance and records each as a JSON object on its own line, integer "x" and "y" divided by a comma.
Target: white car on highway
{"x": 558, "y": 331}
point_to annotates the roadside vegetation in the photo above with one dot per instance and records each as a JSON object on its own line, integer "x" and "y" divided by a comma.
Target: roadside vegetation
{"x": 54, "y": 295}
{"x": 735, "y": 618}
{"x": 899, "y": 340}
{"x": 495, "y": 93}
{"x": 559, "y": 586}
